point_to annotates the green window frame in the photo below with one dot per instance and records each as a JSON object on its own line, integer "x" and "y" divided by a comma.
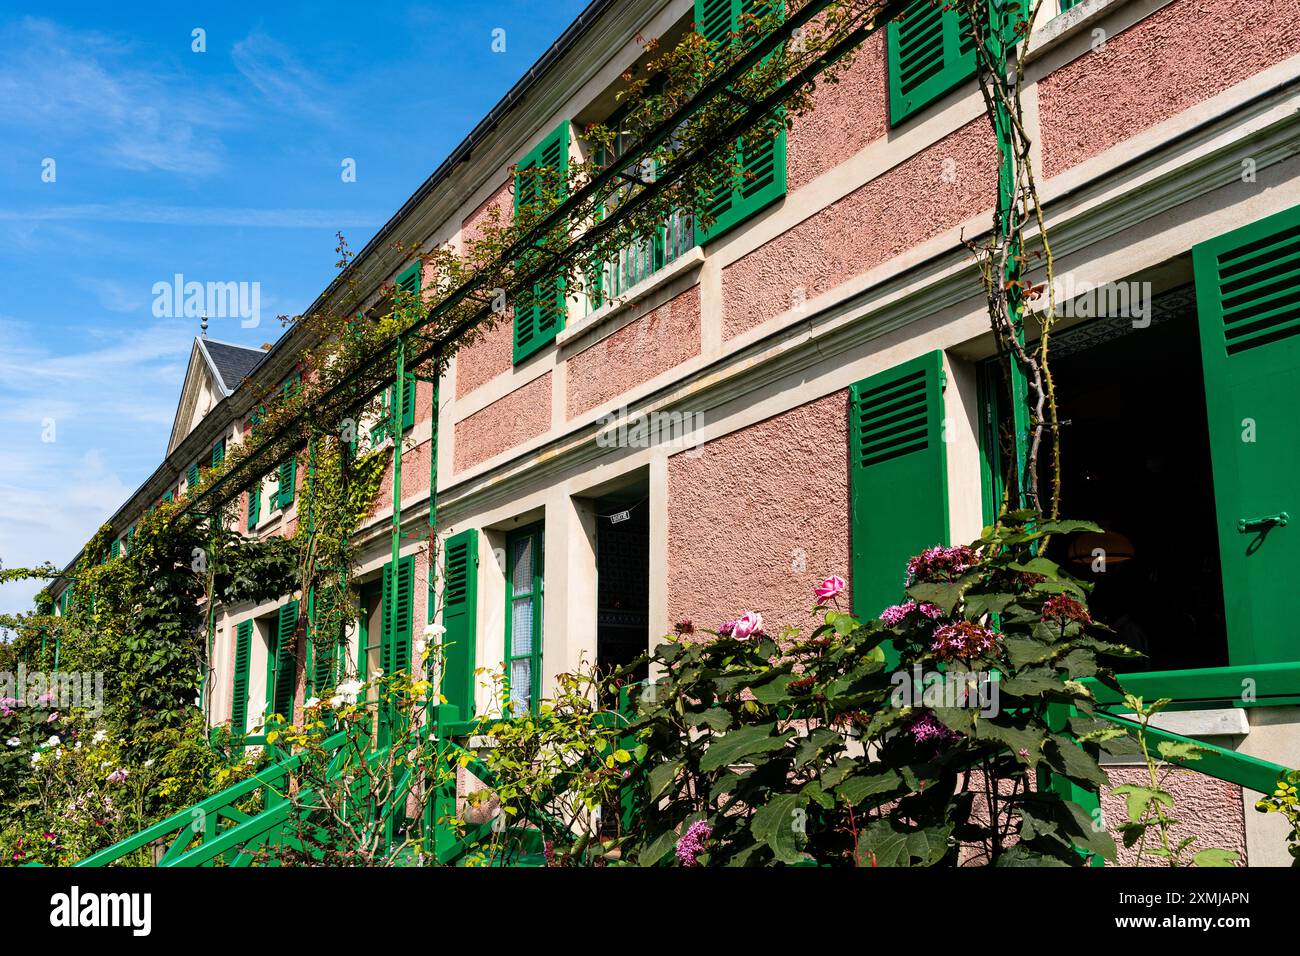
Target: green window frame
{"x": 540, "y": 311}
{"x": 282, "y": 663}
{"x": 761, "y": 158}
{"x": 460, "y": 618}
{"x": 898, "y": 476}
{"x": 239, "y": 679}
{"x": 525, "y": 576}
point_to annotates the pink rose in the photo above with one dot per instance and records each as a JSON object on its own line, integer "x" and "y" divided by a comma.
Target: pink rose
{"x": 832, "y": 587}
{"x": 749, "y": 623}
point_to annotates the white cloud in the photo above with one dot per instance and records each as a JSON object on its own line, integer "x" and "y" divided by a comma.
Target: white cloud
{"x": 280, "y": 77}
{"x": 82, "y": 90}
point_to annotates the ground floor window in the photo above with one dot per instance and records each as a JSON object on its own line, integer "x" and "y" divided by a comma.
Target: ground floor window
{"x": 1135, "y": 460}
{"x": 524, "y": 576}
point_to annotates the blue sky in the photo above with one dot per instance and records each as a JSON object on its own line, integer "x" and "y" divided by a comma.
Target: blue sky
{"x": 223, "y": 165}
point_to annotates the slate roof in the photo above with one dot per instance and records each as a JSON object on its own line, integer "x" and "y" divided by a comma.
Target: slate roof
{"x": 232, "y": 362}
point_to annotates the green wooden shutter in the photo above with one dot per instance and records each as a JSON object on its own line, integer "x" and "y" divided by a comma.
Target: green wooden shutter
{"x": 898, "y": 477}
{"x": 459, "y": 616}
{"x": 218, "y": 453}
{"x": 288, "y": 476}
{"x": 409, "y": 279}
{"x": 167, "y": 496}
{"x": 254, "y": 505}
{"x": 1069, "y": 4}
{"x": 408, "y": 401}
{"x": 115, "y": 549}
{"x": 931, "y": 51}
{"x": 1248, "y": 303}
{"x": 282, "y": 673}
{"x": 539, "y": 313}
{"x": 395, "y": 652}
{"x": 763, "y": 160}
{"x": 239, "y": 682}
{"x": 321, "y": 668}
{"x": 191, "y": 477}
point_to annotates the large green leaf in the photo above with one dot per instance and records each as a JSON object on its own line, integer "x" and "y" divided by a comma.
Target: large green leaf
{"x": 662, "y": 776}
{"x": 779, "y": 824}
{"x": 739, "y": 744}
{"x": 860, "y": 786}
{"x": 889, "y": 843}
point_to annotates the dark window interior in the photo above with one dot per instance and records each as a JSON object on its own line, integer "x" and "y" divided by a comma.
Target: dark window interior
{"x": 1136, "y": 460}
{"x": 622, "y": 581}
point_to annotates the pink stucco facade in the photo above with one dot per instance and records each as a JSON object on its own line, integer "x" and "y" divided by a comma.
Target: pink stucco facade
{"x": 847, "y": 116}
{"x": 492, "y": 353}
{"x": 510, "y": 421}
{"x": 643, "y": 349}
{"x": 758, "y": 518}
{"x": 921, "y": 197}
{"x": 1164, "y": 64}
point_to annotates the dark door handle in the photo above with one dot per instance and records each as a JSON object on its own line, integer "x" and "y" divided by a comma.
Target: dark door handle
{"x": 1247, "y": 525}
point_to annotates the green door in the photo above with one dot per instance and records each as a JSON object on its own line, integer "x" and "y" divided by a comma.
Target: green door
{"x": 1248, "y": 303}
{"x": 898, "y": 477}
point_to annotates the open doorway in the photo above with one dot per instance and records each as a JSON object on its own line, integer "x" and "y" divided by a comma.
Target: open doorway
{"x": 623, "y": 578}
{"x": 1136, "y": 460}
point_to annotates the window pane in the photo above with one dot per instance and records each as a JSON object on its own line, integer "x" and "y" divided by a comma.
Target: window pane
{"x": 522, "y": 582}
{"x": 521, "y": 682}
{"x": 521, "y": 627}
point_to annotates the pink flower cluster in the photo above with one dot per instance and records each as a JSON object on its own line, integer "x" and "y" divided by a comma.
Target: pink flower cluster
{"x": 928, "y": 728}
{"x": 900, "y": 612}
{"x": 941, "y": 564}
{"x": 690, "y": 846}
{"x": 963, "y": 639}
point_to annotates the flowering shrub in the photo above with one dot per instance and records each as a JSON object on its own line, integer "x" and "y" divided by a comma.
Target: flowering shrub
{"x": 831, "y": 748}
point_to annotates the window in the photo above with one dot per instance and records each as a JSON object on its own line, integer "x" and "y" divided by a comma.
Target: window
{"x": 898, "y": 476}
{"x": 641, "y": 259}
{"x": 384, "y": 427}
{"x": 541, "y": 174}
{"x": 761, "y": 154}
{"x": 523, "y": 657}
{"x": 1136, "y": 461}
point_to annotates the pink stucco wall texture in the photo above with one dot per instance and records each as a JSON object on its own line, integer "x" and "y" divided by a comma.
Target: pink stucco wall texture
{"x": 936, "y": 189}
{"x": 846, "y": 116}
{"x": 512, "y": 420}
{"x": 492, "y": 354}
{"x": 1207, "y": 808}
{"x": 661, "y": 339}
{"x": 1180, "y": 55}
{"x": 760, "y": 517}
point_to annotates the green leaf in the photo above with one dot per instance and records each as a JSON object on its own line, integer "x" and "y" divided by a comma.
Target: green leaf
{"x": 736, "y": 746}
{"x": 714, "y": 718}
{"x": 773, "y": 692}
{"x": 1139, "y": 798}
{"x": 889, "y": 843}
{"x": 818, "y": 742}
{"x": 857, "y": 788}
{"x": 778, "y": 824}
{"x": 1213, "y": 856}
{"x": 946, "y": 595}
{"x": 662, "y": 776}
{"x": 1179, "y": 750}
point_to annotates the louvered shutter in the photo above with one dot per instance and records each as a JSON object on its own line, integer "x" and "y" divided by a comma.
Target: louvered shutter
{"x": 539, "y": 312}
{"x": 408, "y": 401}
{"x": 254, "y": 505}
{"x": 898, "y": 477}
{"x": 459, "y": 617}
{"x": 288, "y": 476}
{"x": 409, "y": 279}
{"x": 115, "y": 549}
{"x": 167, "y": 496}
{"x": 321, "y": 657}
{"x": 1248, "y": 303}
{"x": 284, "y": 661}
{"x": 191, "y": 477}
{"x": 762, "y": 155}
{"x": 239, "y": 682}
{"x": 395, "y": 653}
{"x": 218, "y": 453}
